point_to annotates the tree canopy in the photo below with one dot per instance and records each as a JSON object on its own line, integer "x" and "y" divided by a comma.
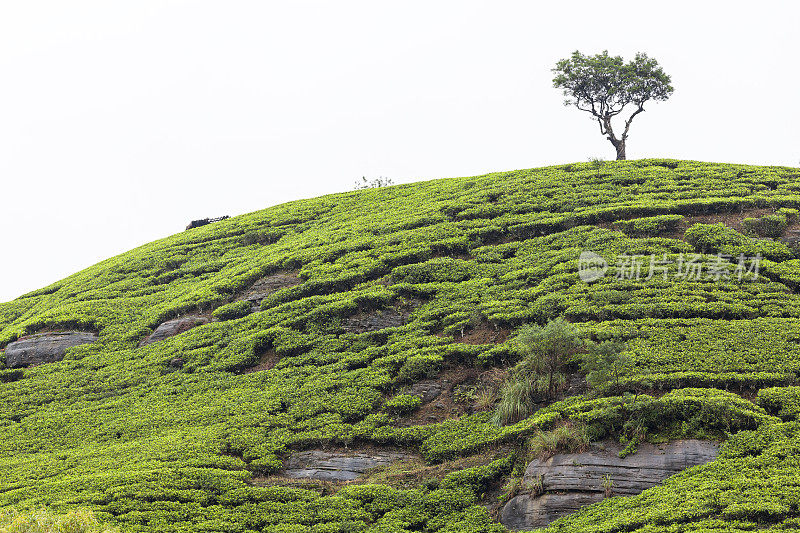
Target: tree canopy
{"x": 605, "y": 85}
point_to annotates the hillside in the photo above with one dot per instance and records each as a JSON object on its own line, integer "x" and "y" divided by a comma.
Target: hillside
{"x": 376, "y": 327}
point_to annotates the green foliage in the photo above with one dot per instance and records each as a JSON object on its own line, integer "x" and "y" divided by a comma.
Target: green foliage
{"x": 771, "y": 226}
{"x": 232, "y": 311}
{"x": 417, "y": 367}
{"x": 790, "y": 214}
{"x": 605, "y": 362}
{"x": 649, "y": 226}
{"x": 781, "y": 401}
{"x": 565, "y": 438}
{"x": 403, "y": 403}
{"x": 516, "y": 401}
{"x": 604, "y": 85}
{"x": 718, "y": 238}
{"x": 545, "y": 351}
{"x": 150, "y": 447}
{"x": 43, "y": 521}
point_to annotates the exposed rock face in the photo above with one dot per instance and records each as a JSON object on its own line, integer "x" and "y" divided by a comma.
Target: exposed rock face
{"x": 266, "y": 286}
{"x": 44, "y": 347}
{"x": 525, "y": 512}
{"x": 174, "y": 327}
{"x": 573, "y": 480}
{"x": 375, "y": 321}
{"x": 336, "y": 466}
{"x": 427, "y": 391}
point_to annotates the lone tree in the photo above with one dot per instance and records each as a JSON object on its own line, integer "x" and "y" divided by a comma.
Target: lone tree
{"x": 604, "y": 85}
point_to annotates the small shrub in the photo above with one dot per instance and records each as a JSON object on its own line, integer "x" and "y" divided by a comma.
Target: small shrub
{"x": 771, "y": 226}
{"x": 608, "y": 486}
{"x": 649, "y": 226}
{"x": 516, "y": 402}
{"x": 232, "y": 311}
{"x": 419, "y": 366}
{"x": 465, "y": 394}
{"x": 375, "y": 183}
{"x": 510, "y": 489}
{"x": 631, "y": 445}
{"x": 605, "y": 362}
{"x": 597, "y": 163}
{"x": 403, "y": 403}
{"x": 563, "y": 439}
{"x": 712, "y": 237}
{"x": 263, "y": 237}
{"x": 546, "y": 350}
{"x": 537, "y": 485}
{"x": 485, "y": 399}
{"x": 790, "y": 214}
{"x": 718, "y": 238}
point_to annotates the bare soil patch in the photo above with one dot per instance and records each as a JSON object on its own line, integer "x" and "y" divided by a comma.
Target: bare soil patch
{"x": 485, "y": 333}
{"x": 266, "y": 361}
{"x": 455, "y": 392}
{"x": 378, "y": 319}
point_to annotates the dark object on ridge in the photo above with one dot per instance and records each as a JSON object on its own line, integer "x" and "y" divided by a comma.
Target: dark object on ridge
{"x": 204, "y": 221}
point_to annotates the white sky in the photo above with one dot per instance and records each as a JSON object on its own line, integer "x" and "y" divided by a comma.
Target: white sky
{"x": 120, "y": 121}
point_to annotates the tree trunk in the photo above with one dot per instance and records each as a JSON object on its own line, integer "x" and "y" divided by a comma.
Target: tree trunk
{"x": 620, "y": 147}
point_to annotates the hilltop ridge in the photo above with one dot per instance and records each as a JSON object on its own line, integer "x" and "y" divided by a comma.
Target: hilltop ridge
{"x": 376, "y": 328}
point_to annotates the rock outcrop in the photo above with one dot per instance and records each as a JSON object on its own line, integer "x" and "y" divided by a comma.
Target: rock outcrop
{"x": 336, "y": 466}
{"x": 573, "y": 480}
{"x": 428, "y": 390}
{"x": 174, "y": 327}
{"x": 44, "y": 347}
{"x": 375, "y": 321}
{"x": 266, "y": 286}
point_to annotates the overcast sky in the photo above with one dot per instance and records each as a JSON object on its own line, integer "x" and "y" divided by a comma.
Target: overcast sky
{"x": 121, "y": 121}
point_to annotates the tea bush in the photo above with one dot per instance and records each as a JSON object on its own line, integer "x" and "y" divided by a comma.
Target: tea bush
{"x": 771, "y": 226}
{"x": 232, "y": 311}
{"x": 650, "y": 226}
{"x": 403, "y": 403}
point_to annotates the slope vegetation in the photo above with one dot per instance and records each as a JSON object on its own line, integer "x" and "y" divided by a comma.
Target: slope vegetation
{"x": 311, "y": 323}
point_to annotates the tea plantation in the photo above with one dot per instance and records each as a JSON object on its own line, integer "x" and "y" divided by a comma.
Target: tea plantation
{"x": 192, "y": 433}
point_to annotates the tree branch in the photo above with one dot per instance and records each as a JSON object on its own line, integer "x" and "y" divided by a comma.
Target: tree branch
{"x": 630, "y": 119}
{"x": 602, "y": 131}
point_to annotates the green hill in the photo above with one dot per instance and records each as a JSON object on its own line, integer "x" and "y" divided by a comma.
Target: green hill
{"x": 318, "y": 317}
